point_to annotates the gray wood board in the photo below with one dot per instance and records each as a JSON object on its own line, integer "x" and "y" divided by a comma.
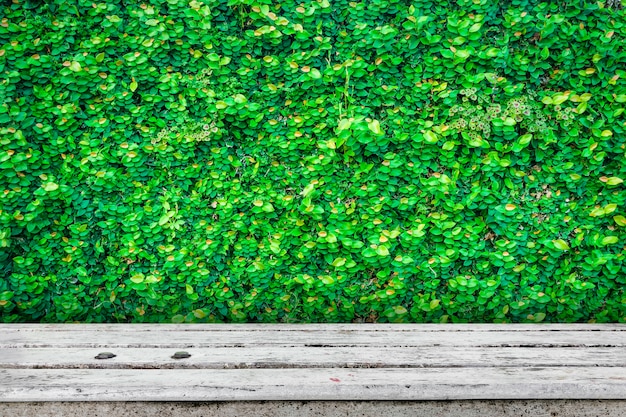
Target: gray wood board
{"x": 314, "y": 357}
{"x": 312, "y": 362}
{"x": 120, "y": 336}
{"x": 311, "y": 384}
{"x": 315, "y": 327}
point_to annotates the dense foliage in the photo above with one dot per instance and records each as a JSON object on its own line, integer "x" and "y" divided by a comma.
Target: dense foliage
{"x": 250, "y": 160}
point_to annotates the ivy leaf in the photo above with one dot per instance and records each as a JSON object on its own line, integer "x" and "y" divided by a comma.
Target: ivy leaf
{"x": 382, "y": 251}
{"x": 430, "y": 137}
{"x": 609, "y": 240}
{"x": 50, "y": 186}
{"x": 75, "y": 66}
{"x": 339, "y": 262}
{"x": 620, "y": 220}
{"x": 374, "y": 126}
{"x": 560, "y": 244}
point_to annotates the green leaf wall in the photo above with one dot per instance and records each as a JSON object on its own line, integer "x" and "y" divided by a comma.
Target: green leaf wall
{"x": 323, "y": 161}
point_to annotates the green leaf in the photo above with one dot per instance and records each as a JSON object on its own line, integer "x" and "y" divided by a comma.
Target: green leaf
{"x": 75, "y": 66}
{"x": 178, "y": 319}
{"x": 50, "y": 186}
{"x": 462, "y": 53}
{"x": 430, "y": 137}
{"x": 344, "y": 124}
{"x": 400, "y": 310}
{"x": 614, "y": 181}
{"x": 559, "y": 99}
{"x": 448, "y": 146}
{"x": 609, "y": 240}
{"x": 137, "y": 278}
{"x": 240, "y": 99}
{"x": 328, "y": 280}
{"x": 374, "y": 126}
{"x": 620, "y": 220}
{"x": 539, "y": 317}
{"x": 315, "y": 74}
{"x": 560, "y": 244}
{"x": 525, "y": 139}
{"x": 307, "y": 190}
{"x": 610, "y": 208}
{"x": 267, "y": 208}
{"x": 339, "y": 262}
{"x": 382, "y": 251}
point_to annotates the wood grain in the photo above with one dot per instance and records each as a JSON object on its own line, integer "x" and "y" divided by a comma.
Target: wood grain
{"x": 312, "y": 362}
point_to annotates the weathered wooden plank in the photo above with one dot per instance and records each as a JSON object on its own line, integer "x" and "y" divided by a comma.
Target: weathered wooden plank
{"x": 332, "y": 337}
{"x": 311, "y": 328}
{"x": 311, "y": 384}
{"x": 313, "y": 357}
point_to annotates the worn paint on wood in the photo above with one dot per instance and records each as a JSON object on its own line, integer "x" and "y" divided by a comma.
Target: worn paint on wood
{"x": 311, "y": 384}
{"x": 312, "y": 357}
{"x": 85, "y": 336}
{"x": 312, "y": 362}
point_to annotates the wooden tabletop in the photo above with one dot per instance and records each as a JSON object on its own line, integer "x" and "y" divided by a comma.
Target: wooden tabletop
{"x": 57, "y": 362}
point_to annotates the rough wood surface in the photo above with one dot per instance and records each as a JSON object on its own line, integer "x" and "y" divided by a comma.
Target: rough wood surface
{"x": 312, "y": 362}
{"x": 312, "y": 357}
{"x": 85, "y": 336}
{"x": 311, "y": 384}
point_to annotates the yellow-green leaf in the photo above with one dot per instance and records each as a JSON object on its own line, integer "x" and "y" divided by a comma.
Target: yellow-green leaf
{"x": 374, "y": 126}
{"x": 382, "y": 251}
{"x": 614, "y": 181}
{"x": 610, "y": 208}
{"x": 596, "y": 212}
{"x": 430, "y": 137}
{"x": 609, "y": 240}
{"x": 137, "y": 278}
{"x": 546, "y": 100}
{"x": 400, "y": 310}
{"x": 560, "y": 244}
{"x": 344, "y": 124}
{"x": 620, "y": 220}
{"x": 339, "y": 262}
{"x": 559, "y": 99}
{"x": 75, "y": 66}
{"x": 525, "y": 139}
{"x": 50, "y": 186}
